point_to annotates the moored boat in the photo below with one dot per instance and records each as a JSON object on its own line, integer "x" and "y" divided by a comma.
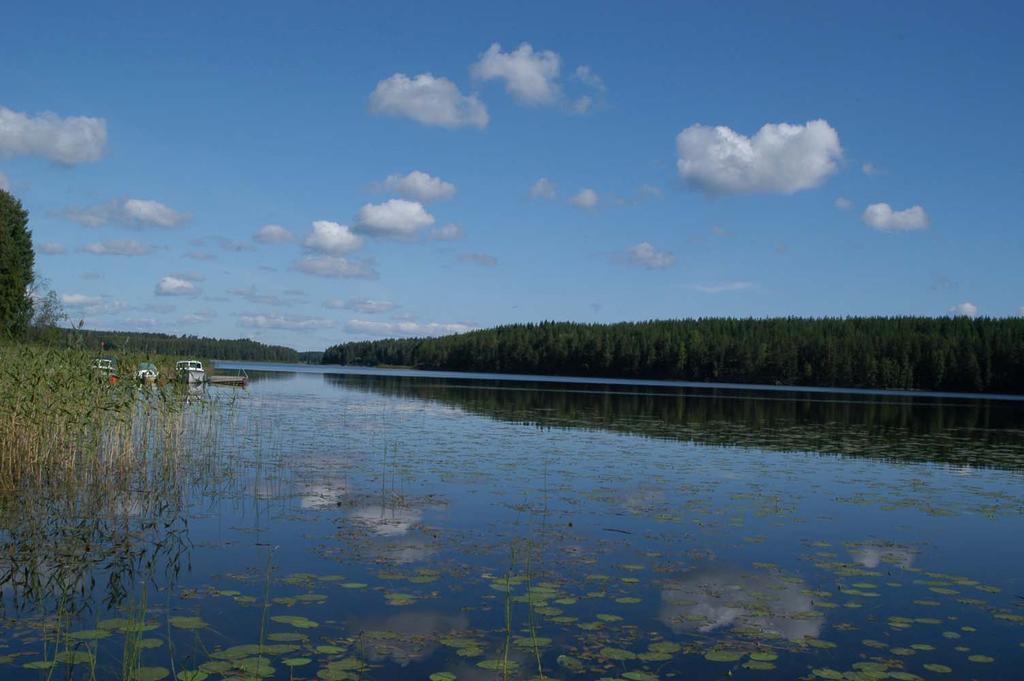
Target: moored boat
{"x": 147, "y": 372}
{"x": 106, "y": 367}
{"x": 190, "y": 371}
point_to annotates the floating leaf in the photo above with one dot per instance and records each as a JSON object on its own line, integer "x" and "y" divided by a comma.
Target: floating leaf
{"x": 295, "y": 621}
{"x": 181, "y": 622}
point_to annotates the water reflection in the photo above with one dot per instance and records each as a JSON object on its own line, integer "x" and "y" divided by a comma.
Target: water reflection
{"x": 763, "y": 604}
{"x": 873, "y": 554}
{"x": 407, "y": 637}
{"x": 965, "y": 433}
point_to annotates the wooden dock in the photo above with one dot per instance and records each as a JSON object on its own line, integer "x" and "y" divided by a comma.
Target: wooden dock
{"x": 238, "y": 380}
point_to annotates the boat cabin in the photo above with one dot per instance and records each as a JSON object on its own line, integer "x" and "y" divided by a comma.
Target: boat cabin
{"x": 106, "y": 365}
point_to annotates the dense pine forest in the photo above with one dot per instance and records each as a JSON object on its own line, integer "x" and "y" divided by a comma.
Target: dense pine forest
{"x": 955, "y": 354}
{"x": 165, "y": 344}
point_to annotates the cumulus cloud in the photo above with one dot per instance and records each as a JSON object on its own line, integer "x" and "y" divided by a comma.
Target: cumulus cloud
{"x": 407, "y": 328}
{"x": 51, "y": 248}
{"x": 542, "y": 189}
{"x": 95, "y": 306}
{"x": 69, "y": 141}
{"x": 134, "y": 213}
{"x": 724, "y": 287}
{"x": 284, "y": 322}
{"x": 586, "y": 75}
{"x": 780, "y": 158}
{"x": 118, "y": 247}
{"x": 332, "y": 238}
{"x": 479, "y": 259}
{"x": 364, "y": 305}
{"x": 176, "y": 286}
{"x": 843, "y": 203}
{"x": 882, "y": 217}
{"x": 449, "y": 232}
{"x": 530, "y": 77}
{"x": 393, "y": 218}
{"x": 419, "y": 186}
{"x": 428, "y": 100}
{"x": 647, "y": 256}
{"x": 336, "y": 267}
{"x": 273, "y": 234}
{"x": 967, "y": 309}
{"x": 585, "y": 198}
{"x": 199, "y": 317}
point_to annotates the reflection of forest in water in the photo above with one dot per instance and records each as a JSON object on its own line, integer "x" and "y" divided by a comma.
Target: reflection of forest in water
{"x": 985, "y": 433}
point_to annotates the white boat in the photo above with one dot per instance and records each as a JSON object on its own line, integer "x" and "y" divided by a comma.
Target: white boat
{"x": 190, "y": 371}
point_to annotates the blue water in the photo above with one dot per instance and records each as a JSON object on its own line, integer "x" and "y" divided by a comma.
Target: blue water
{"x": 491, "y": 528}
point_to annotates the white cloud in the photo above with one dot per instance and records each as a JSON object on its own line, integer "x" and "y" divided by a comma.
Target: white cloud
{"x": 51, "y": 248}
{"x": 273, "y": 234}
{"x": 779, "y": 158}
{"x": 581, "y": 105}
{"x": 176, "y": 286}
{"x": 128, "y": 213}
{"x": 479, "y": 259}
{"x": 585, "y": 198}
{"x": 394, "y": 217}
{"x": 336, "y": 267}
{"x": 71, "y": 140}
{"x": 586, "y": 75}
{"x": 870, "y": 169}
{"x": 647, "y": 256}
{"x": 449, "y": 232}
{"x": 95, "y": 306}
{"x": 4, "y": 182}
{"x": 531, "y": 77}
{"x": 199, "y": 317}
{"x": 419, "y": 186}
{"x": 370, "y": 328}
{"x": 843, "y": 203}
{"x": 966, "y": 309}
{"x": 542, "y": 189}
{"x": 284, "y": 322}
{"x": 1020, "y": 311}
{"x": 80, "y": 300}
{"x": 118, "y": 247}
{"x": 724, "y": 287}
{"x": 428, "y": 100}
{"x": 882, "y": 217}
{"x": 332, "y": 238}
{"x": 364, "y": 305}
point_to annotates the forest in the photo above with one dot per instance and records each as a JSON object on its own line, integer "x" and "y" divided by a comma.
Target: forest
{"x": 165, "y": 344}
{"x": 912, "y": 353}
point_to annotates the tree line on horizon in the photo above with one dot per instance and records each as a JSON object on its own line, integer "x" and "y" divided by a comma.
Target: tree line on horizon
{"x": 912, "y": 353}
{"x": 199, "y": 347}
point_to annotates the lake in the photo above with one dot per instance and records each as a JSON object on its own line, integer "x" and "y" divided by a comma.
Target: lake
{"x": 344, "y": 524}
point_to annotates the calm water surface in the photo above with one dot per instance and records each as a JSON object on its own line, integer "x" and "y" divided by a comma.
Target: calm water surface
{"x": 385, "y": 525}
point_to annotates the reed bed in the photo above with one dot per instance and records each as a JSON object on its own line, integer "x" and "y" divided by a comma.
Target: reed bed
{"x": 94, "y": 475}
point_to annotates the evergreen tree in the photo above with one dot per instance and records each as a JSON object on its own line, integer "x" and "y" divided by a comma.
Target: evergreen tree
{"x": 917, "y": 353}
{"x": 17, "y": 261}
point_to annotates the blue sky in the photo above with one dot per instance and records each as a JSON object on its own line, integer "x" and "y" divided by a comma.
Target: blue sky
{"x": 698, "y": 159}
